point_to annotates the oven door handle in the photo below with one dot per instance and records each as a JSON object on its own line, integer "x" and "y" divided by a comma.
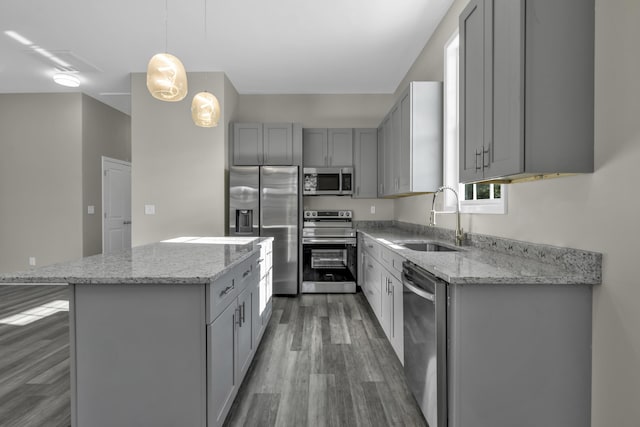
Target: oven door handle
{"x": 413, "y": 288}
{"x": 310, "y": 240}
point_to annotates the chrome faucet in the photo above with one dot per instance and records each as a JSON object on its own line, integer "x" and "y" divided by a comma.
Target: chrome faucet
{"x": 432, "y": 214}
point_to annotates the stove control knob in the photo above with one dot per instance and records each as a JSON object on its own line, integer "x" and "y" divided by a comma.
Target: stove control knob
{"x": 340, "y": 213}
{"x": 314, "y": 213}
{"x": 347, "y": 213}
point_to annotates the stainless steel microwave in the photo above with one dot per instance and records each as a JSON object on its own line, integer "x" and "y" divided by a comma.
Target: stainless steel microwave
{"x": 328, "y": 181}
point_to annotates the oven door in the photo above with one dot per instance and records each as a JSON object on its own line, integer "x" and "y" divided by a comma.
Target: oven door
{"x": 328, "y": 265}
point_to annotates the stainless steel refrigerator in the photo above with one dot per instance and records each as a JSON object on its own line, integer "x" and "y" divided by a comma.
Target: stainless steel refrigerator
{"x": 263, "y": 201}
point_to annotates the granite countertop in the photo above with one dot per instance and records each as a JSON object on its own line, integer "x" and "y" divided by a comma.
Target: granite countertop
{"x": 490, "y": 260}
{"x": 184, "y": 260}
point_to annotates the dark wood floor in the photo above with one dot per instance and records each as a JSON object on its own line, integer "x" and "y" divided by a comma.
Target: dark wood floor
{"x": 324, "y": 361}
{"x": 34, "y": 360}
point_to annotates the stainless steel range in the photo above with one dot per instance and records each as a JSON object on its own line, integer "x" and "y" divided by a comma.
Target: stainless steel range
{"x": 329, "y": 252}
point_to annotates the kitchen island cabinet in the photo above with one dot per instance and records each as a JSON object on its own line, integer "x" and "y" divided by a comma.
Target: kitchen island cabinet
{"x": 160, "y": 334}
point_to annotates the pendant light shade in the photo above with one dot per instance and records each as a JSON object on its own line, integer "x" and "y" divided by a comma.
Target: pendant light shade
{"x": 166, "y": 78}
{"x": 205, "y": 110}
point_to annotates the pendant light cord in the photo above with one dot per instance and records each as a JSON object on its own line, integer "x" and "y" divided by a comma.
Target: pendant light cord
{"x": 166, "y": 26}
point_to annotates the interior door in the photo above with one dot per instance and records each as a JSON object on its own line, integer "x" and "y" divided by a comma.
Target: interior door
{"x": 116, "y": 205}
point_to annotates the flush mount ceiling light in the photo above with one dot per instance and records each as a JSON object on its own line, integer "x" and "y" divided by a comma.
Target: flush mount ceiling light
{"x": 166, "y": 77}
{"x": 205, "y": 110}
{"x": 66, "y": 79}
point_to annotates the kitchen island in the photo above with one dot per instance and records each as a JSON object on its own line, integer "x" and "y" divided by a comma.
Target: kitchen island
{"x": 162, "y": 334}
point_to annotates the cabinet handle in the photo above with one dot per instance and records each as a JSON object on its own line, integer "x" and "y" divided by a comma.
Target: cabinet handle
{"x": 242, "y": 313}
{"x": 485, "y": 164}
{"x": 325, "y": 160}
{"x": 227, "y": 289}
{"x": 246, "y": 273}
{"x": 237, "y": 317}
{"x": 478, "y": 154}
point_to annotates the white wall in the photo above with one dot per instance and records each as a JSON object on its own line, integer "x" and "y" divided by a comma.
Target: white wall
{"x": 325, "y": 111}
{"x": 40, "y": 179}
{"x": 177, "y": 166}
{"x": 588, "y": 212}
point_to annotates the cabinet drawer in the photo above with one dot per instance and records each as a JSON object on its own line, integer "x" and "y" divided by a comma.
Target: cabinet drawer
{"x": 225, "y": 288}
{"x": 391, "y": 261}
{"x": 371, "y": 247}
{"x": 246, "y": 271}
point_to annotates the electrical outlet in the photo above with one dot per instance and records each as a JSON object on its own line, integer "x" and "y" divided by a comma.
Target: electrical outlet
{"x": 149, "y": 209}
{"x": 91, "y": 209}
{"x": 32, "y": 261}
{"x": 373, "y": 209}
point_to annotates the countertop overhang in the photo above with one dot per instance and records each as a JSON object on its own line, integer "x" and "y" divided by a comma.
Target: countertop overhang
{"x": 184, "y": 260}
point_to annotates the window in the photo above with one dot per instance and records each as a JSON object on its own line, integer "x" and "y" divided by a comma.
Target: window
{"x": 474, "y": 198}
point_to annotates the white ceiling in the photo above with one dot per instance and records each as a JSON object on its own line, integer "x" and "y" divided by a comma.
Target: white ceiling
{"x": 275, "y": 46}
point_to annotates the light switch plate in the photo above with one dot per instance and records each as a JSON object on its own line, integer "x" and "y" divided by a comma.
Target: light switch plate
{"x": 149, "y": 209}
{"x": 373, "y": 209}
{"x": 91, "y": 209}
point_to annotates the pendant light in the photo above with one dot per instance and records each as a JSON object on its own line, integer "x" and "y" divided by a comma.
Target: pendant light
{"x": 205, "y": 110}
{"x": 166, "y": 77}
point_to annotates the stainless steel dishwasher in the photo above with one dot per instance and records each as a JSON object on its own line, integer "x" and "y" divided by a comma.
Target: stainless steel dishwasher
{"x": 425, "y": 341}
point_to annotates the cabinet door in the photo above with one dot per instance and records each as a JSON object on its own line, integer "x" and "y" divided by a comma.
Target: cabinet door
{"x": 472, "y": 95}
{"x": 386, "y": 312}
{"x": 397, "y": 317}
{"x": 389, "y": 156}
{"x": 403, "y": 161}
{"x": 221, "y": 372}
{"x": 277, "y": 143}
{"x": 243, "y": 333}
{"x": 340, "y": 147}
{"x": 258, "y": 290}
{"x": 365, "y": 155}
{"x": 247, "y": 144}
{"x": 504, "y": 89}
{"x": 380, "y": 161}
{"x": 314, "y": 147}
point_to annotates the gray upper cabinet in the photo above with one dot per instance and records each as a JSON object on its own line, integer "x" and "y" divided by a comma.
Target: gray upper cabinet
{"x": 365, "y": 155}
{"x": 380, "y": 160}
{"x": 340, "y": 147}
{"x": 412, "y": 142}
{"x": 277, "y": 143}
{"x": 247, "y": 144}
{"x": 262, "y": 144}
{"x": 520, "y": 64}
{"x": 314, "y": 147}
{"x": 327, "y": 147}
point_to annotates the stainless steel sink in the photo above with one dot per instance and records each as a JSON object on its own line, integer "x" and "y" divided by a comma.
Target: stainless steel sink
{"x": 426, "y": 247}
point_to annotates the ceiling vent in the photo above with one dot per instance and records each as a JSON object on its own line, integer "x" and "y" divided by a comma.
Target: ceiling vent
{"x": 64, "y": 60}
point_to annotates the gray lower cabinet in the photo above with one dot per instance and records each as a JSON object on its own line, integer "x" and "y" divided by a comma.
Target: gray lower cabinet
{"x": 382, "y": 286}
{"x": 262, "y": 144}
{"x": 526, "y": 89}
{"x": 365, "y": 163}
{"x": 519, "y": 355}
{"x": 327, "y": 147}
{"x": 222, "y": 381}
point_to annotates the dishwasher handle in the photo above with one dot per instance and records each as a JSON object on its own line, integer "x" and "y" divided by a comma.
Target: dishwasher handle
{"x": 416, "y": 290}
